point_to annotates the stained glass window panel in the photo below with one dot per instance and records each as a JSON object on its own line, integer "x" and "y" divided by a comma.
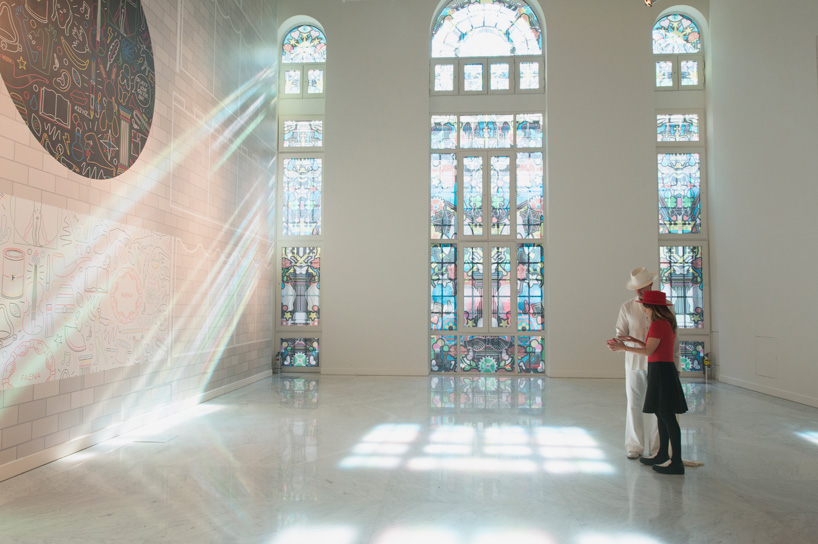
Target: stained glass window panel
{"x": 500, "y": 77}
{"x": 664, "y": 73}
{"x": 473, "y": 287}
{"x": 681, "y": 127}
{"x": 444, "y": 354}
{"x": 692, "y": 355}
{"x": 292, "y": 82}
{"x": 487, "y": 354}
{"x": 473, "y": 77}
{"x": 530, "y": 355}
{"x": 529, "y": 130}
{"x": 481, "y": 28}
{"x": 529, "y": 75}
{"x": 444, "y": 77}
{"x": 315, "y": 81}
{"x": 300, "y": 286}
{"x": 444, "y": 196}
{"x": 681, "y": 279}
{"x": 444, "y": 132}
{"x": 306, "y": 134}
{"x": 500, "y": 195}
{"x": 443, "y": 273}
{"x": 690, "y": 72}
{"x": 530, "y": 282}
{"x": 473, "y": 196}
{"x": 486, "y": 131}
{"x": 304, "y": 44}
{"x": 679, "y": 193}
{"x": 530, "y": 195}
{"x": 676, "y": 34}
{"x": 299, "y": 352}
{"x": 500, "y": 287}
{"x": 302, "y": 196}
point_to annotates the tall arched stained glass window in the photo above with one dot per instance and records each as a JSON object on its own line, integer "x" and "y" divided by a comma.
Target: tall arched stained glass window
{"x": 300, "y": 196}
{"x": 486, "y": 192}
{"x": 677, "y": 49}
{"x": 303, "y": 55}
{"x": 681, "y": 179}
{"x": 480, "y": 47}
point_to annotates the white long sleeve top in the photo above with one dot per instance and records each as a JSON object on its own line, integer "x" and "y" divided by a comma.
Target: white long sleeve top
{"x": 633, "y": 321}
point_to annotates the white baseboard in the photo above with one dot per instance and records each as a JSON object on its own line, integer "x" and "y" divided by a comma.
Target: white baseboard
{"x": 35, "y": 460}
{"x": 772, "y": 391}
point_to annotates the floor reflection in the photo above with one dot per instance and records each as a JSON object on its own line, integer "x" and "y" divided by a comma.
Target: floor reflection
{"x": 298, "y": 391}
{"x": 494, "y": 393}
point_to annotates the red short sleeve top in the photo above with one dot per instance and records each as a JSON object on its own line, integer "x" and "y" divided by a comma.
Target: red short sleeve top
{"x": 664, "y": 352}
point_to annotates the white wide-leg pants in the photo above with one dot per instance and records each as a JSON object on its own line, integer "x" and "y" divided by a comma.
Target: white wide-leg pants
{"x": 641, "y": 430}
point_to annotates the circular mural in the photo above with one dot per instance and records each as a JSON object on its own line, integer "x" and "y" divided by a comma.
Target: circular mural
{"x": 81, "y": 74}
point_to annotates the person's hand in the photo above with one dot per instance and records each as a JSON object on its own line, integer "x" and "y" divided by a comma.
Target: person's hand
{"x": 615, "y": 344}
{"x": 631, "y": 339}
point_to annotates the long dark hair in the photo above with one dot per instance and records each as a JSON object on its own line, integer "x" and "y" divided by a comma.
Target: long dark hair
{"x": 662, "y": 312}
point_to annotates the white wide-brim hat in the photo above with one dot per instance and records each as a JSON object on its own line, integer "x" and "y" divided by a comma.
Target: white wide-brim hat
{"x": 640, "y": 277}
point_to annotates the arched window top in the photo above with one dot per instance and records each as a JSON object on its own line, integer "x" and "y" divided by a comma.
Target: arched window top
{"x": 486, "y": 28}
{"x": 674, "y": 34}
{"x": 304, "y": 43}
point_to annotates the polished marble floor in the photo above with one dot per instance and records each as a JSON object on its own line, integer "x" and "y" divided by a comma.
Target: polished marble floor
{"x": 437, "y": 460}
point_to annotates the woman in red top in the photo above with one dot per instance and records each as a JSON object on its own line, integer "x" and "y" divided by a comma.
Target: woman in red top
{"x": 664, "y": 396}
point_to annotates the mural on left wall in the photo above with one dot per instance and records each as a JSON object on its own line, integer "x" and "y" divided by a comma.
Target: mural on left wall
{"x": 79, "y": 294}
{"x": 81, "y": 75}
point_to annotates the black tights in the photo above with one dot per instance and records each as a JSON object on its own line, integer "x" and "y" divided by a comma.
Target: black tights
{"x": 669, "y": 432}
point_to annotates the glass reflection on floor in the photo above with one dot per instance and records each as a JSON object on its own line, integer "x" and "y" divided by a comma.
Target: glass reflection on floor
{"x": 462, "y": 437}
{"x": 298, "y": 391}
{"x": 298, "y": 439}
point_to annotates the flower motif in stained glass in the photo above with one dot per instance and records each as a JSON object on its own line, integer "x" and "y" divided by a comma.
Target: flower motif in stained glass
{"x": 486, "y": 131}
{"x": 444, "y": 77}
{"x": 529, "y": 195}
{"x": 443, "y": 274}
{"x": 292, "y": 82}
{"x": 530, "y": 355}
{"x": 473, "y": 287}
{"x": 680, "y": 127}
{"x": 530, "y": 281}
{"x": 664, "y": 73}
{"x": 303, "y": 133}
{"x": 529, "y": 75}
{"x": 473, "y": 77}
{"x": 444, "y": 132}
{"x": 300, "y": 286}
{"x": 486, "y": 28}
{"x": 443, "y": 354}
{"x": 304, "y": 44}
{"x": 690, "y": 72}
{"x": 679, "y": 193}
{"x": 315, "y": 81}
{"x": 681, "y": 279}
{"x": 500, "y": 80}
{"x": 302, "y": 196}
{"x": 676, "y": 34}
{"x": 487, "y": 354}
{"x": 500, "y": 287}
{"x": 472, "y": 196}
{"x": 444, "y": 196}
{"x": 692, "y": 355}
{"x": 529, "y": 130}
{"x": 299, "y": 352}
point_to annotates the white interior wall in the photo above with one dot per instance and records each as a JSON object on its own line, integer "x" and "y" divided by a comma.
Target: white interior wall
{"x": 764, "y": 104}
{"x": 601, "y": 195}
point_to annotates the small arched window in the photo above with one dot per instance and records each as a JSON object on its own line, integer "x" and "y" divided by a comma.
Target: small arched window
{"x": 303, "y": 59}
{"x": 677, "y": 49}
{"x": 481, "y": 47}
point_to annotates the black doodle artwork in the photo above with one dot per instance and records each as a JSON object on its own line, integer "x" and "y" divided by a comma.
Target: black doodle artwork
{"x": 81, "y": 74}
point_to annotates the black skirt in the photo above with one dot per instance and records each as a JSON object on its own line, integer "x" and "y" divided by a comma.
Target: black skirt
{"x": 664, "y": 394}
